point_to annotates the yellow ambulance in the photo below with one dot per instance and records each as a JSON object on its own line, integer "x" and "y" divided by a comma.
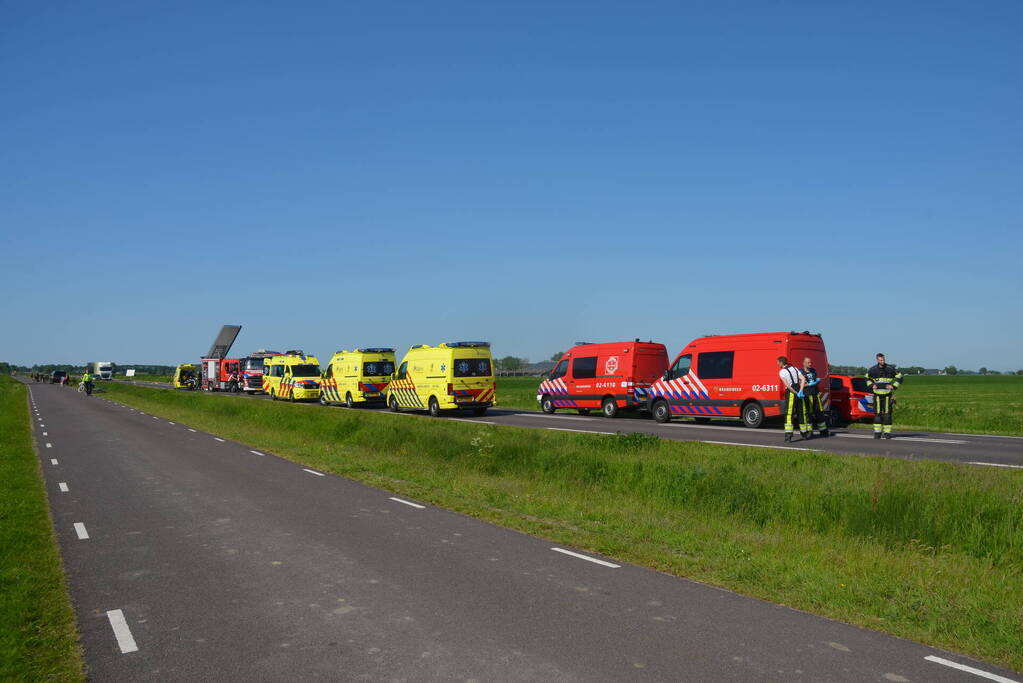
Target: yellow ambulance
{"x": 293, "y": 376}
{"x": 359, "y": 376}
{"x": 451, "y": 376}
{"x": 186, "y": 376}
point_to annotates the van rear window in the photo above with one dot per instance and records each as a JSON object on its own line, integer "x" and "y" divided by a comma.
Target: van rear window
{"x": 715, "y": 365}
{"x": 472, "y": 367}
{"x": 378, "y": 368}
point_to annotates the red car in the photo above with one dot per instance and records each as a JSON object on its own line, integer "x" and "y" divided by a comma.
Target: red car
{"x": 609, "y": 377}
{"x": 851, "y": 400}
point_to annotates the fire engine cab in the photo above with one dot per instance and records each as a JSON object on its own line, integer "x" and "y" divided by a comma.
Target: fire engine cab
{"x": 735, "y": 376}
{"x": 609, "y": 377}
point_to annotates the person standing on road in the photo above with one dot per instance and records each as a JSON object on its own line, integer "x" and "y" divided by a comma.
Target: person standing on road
{"x": 794, "y": 383}
{"x": 87, "y": 382}
{"x": 815, "y": 410}
{"x": 883, "y": 380}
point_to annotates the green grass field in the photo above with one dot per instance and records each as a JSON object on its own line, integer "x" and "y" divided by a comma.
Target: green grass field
{"x": 38, "y": 641}
{"x": 925, "y": 550}
{"x": 989, "y": 404}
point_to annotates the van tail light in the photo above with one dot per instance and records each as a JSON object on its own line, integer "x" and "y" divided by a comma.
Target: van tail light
{"x": 451, "y": 389}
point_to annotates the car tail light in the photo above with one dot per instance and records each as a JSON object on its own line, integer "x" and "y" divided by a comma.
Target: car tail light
{"x": 451, "y": 389}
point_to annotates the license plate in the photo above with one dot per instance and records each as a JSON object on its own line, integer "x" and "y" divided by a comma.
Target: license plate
{"x": 462, "y": 399}
{"x": 371, "y": 394}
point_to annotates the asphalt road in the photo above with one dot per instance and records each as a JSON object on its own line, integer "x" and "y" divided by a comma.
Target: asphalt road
{"x": 191, "y": 557}
{"x": 976, "y": 449}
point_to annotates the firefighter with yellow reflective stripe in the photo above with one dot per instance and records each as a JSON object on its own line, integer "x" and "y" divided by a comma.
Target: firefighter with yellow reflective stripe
{"x": 795, "y": 399}
{"x": 883, "y": 380}
{"x": 815, "y": 409}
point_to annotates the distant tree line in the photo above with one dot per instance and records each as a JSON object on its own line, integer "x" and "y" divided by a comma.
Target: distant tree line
{"x": 119, "y": 369}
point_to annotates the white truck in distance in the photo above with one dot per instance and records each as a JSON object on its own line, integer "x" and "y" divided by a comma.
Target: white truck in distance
{"x": 101, "y": 369}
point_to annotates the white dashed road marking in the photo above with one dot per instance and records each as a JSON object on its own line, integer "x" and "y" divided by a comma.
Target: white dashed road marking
{"x": 217, "y": 438}
{"x": 49, "y": 445}
{"x": 757, "y": 445}
{"x": 996, "y": 464}
{"x": 588, "y": 559}
{"x": 411, "y": 504}
{"x": 580, "y": 431}
{"x": 53, "y": 461}
{"x": 970, "y": 669}
{"x": 318, "y": 474}
{"x": 257, "y": 453}
{"x": 62, "y": 486}
{"x": 125, "y": 641}
{"x": 80, "y": 530}
{"x": 191, "y": 430}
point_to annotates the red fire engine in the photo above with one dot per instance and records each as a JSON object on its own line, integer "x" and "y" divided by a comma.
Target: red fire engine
{"x": 608, "y": 376}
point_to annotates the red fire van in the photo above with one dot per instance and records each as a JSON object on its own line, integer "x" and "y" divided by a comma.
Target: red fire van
{"x": 734, "y": 376}
{"x": 851, "y": 400}
{"x": 608, "y": 376}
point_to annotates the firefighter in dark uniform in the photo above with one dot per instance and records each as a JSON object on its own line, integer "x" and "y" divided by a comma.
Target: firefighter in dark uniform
{"x": 883, "y": 380}
{"x": 795, "y": 399}
{"x": 814, "y": 407}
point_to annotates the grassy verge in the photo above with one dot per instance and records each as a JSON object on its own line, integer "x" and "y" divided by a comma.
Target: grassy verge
{"x": 925, "y": 550}
{"x": 38, "y": 640}
{"x": 967, "y": 404}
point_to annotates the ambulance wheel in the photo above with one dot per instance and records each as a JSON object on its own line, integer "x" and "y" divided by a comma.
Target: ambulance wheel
{"x": 661, "y": 412}
{"x": 753, "y": 415}
{"x": 323, "y": 400}
{"x": 434, "y": 407}
{"x": 609, "y": 407}
{"x": 547, "y": 405}
{"x": 583, "y": 411}
{"x": 393, "y": 404}
{"x": 348, "y": 400}
{"x": 273, "y": 395}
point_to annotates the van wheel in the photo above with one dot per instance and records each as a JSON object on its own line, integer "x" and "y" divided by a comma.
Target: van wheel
{"x": 753, "y": 415}
{"x": 273, "y": 395}
{"x": 434, "y": 407}
{"x": 583, "y": 411}
{"x": 323, "y": 399}
{"x": 661, "y": 412}
{"x": 392, "y": 403}
{"x": 547, "y": 405}
{"x": 348, "y": 400}
{"x": 609, "y": 407}
{"x": 834, "y": 418}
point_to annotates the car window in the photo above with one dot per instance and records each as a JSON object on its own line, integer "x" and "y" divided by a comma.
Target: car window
{"x": 681, "y": 366}
{"x": 836, "y": 384}
{"x": 715, "y": 364}
{"x": 402, "y": 370}
{"x": 585, "y": 367}
{"x": 560, "y": 370}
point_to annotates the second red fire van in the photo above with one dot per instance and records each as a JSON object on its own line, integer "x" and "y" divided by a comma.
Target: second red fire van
{"x": 735, "y": 376}
{"x": 609, "y": 377}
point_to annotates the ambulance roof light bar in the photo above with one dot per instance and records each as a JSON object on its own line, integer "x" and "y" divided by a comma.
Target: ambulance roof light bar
{"x": 583, "y": 343}
{"x": 468, "y": 344}
{"x": 376, "y": 349}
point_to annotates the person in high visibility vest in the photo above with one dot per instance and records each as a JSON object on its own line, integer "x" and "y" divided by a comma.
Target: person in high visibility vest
{"x": 87, "y": 381}
{"x": 795, "y": 399}
{"x": 815, "y": 409}
{"x": 883, "y": 380}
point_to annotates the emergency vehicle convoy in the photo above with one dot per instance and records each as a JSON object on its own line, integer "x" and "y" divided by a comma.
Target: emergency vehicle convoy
{"x": 450, "y": 376}
{"x": 851, "y": 400}
{"x": 610, "y": 377}
{"x": 734, "y": 376}
{"x": 359, "y": 376}
{"x": 293, "y": 376}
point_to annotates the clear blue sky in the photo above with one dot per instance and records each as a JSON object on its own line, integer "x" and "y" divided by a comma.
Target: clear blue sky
{"x": 530, "y": 173}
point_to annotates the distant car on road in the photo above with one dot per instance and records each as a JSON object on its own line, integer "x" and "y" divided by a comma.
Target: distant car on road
{"x": 57, "y": 376}
{"x": 851, "y": 400}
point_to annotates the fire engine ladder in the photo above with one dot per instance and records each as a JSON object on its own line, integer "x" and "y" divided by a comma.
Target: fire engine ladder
{"x": 224, "y": 341}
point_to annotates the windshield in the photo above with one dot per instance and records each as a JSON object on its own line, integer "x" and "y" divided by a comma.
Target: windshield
{"x": 859, "y": 384}
{"x": 254, "y": 364}
{"x": 472, "y": 367}
{"x": 378, "y": 368}
{"x": 305, "y": 370}
{"x": 104, "y": 368}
